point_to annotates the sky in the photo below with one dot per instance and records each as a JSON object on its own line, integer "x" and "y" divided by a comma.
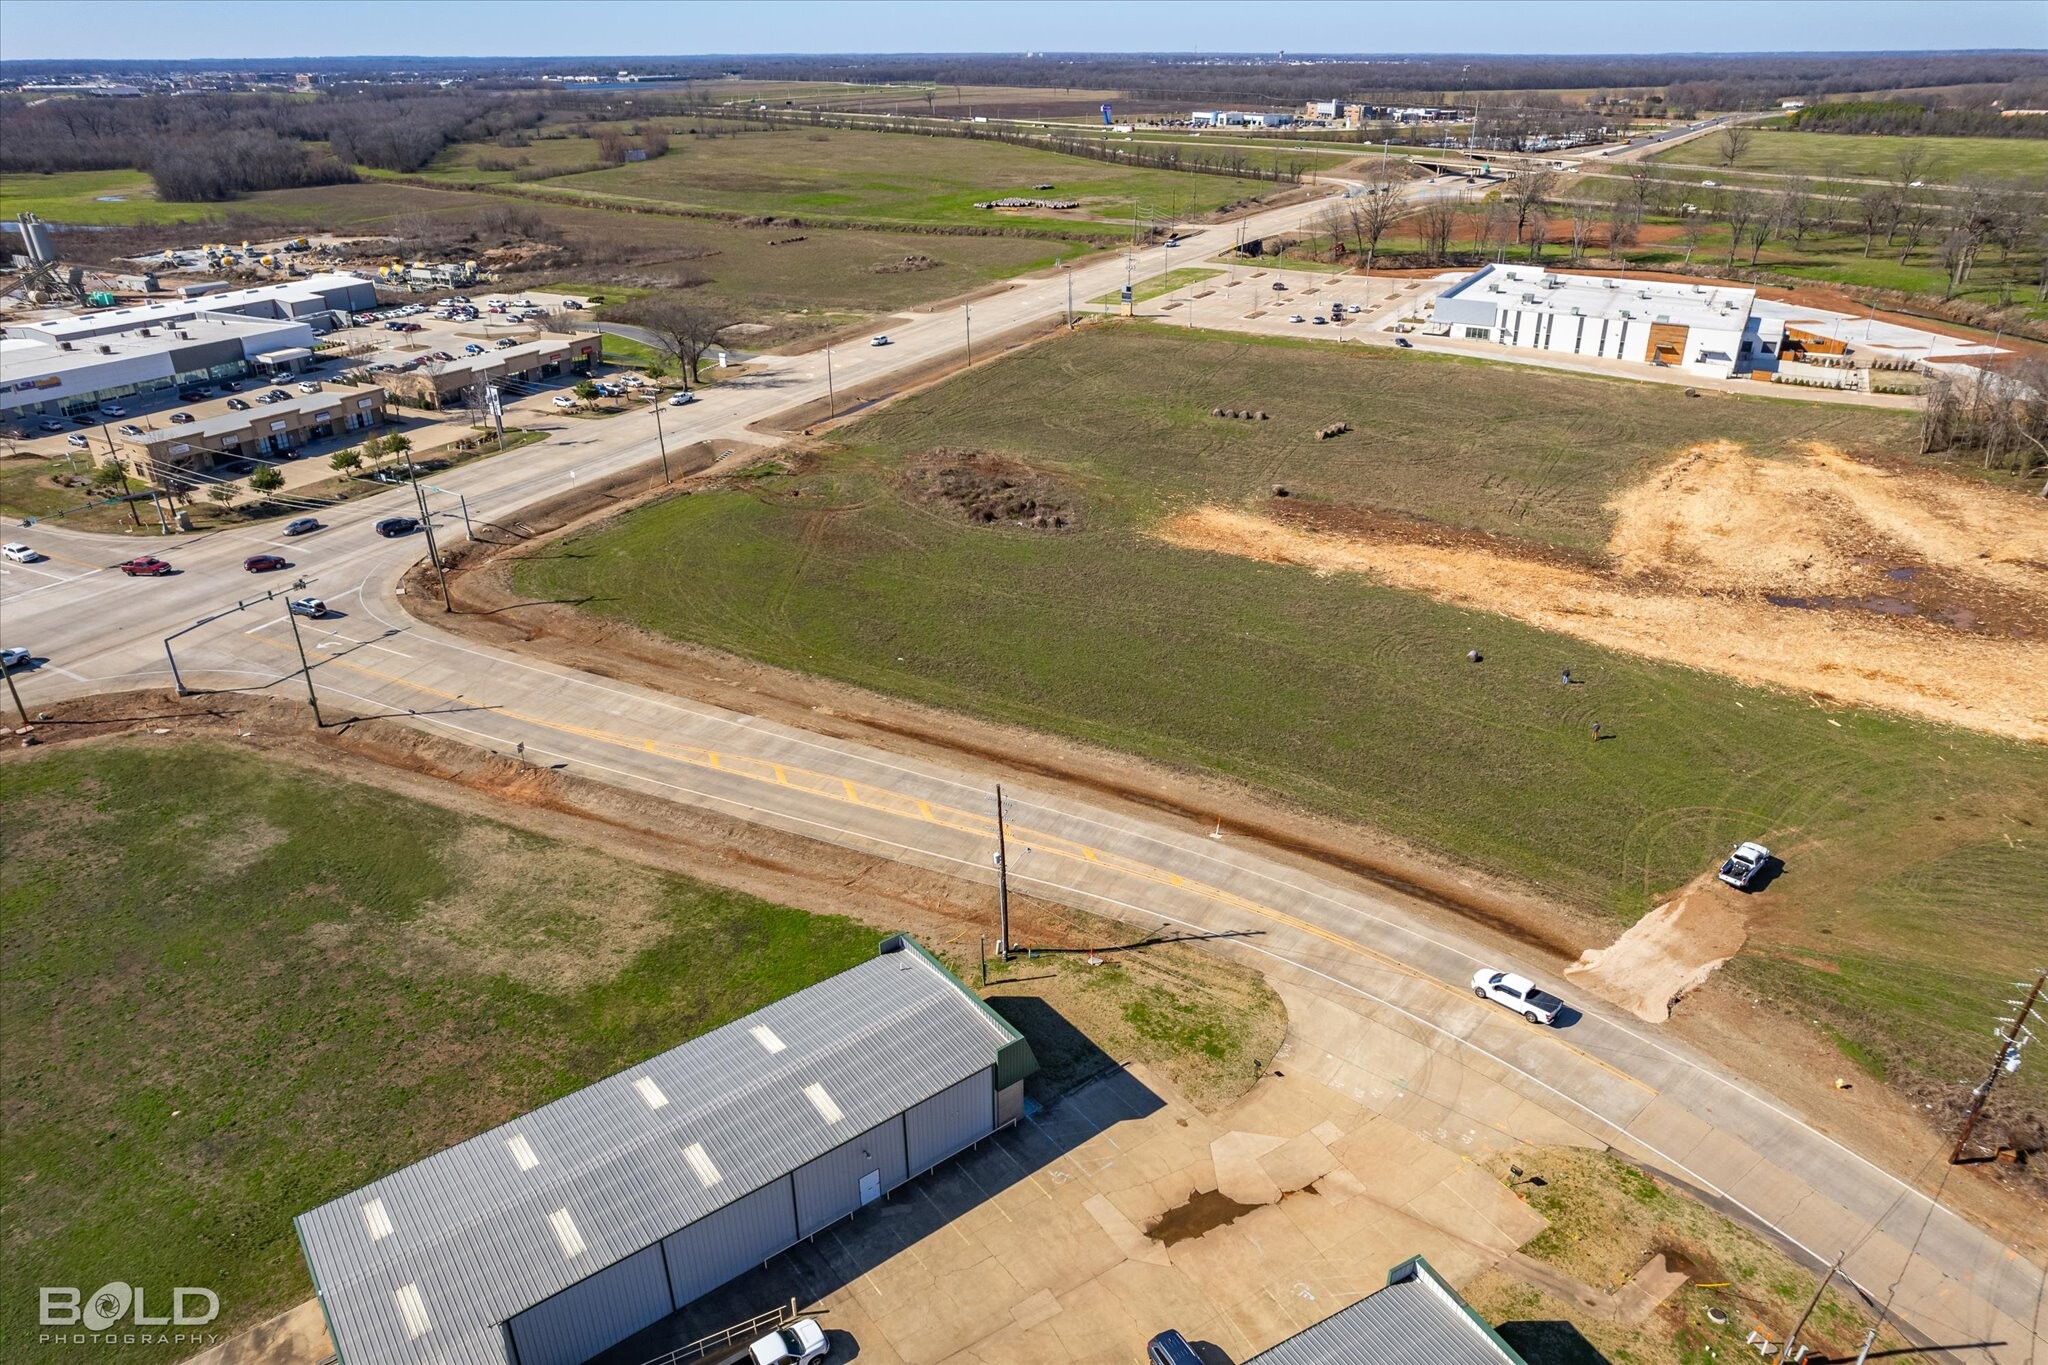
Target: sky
{"x": 186, "y": 29}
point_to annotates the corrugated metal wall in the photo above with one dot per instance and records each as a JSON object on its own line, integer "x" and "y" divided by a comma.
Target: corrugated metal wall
{"x": 828, "y": 1186}
{"x": 731, "y": 1241}
{"x": 1009, "y": 1104}
{"x": 950, "y": 1120}
{"x": 595, "y": 1313}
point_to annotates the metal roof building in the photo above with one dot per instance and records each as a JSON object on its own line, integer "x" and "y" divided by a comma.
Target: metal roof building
{"x": 560, "y": 1233}
{"x": 1416, "y": 1320}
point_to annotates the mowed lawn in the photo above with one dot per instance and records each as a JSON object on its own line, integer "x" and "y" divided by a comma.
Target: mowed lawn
{"x": 1954, "y": 159}
{"x": 231, "y": 990}
{"x": 1356, "y": 700}
{"x": 118, "y": 198}
{"x": 900, "y": 177}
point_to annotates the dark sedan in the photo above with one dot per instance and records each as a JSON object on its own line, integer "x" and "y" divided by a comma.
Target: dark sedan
{"x": 398, "y": 526}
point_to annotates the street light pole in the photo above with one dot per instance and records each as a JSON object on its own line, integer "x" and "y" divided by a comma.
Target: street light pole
{"x": 1002, "y": 882}
{"x": 305, "y": 668}
{"x": 427, "y": 523}
{"x": 1070, "y": 296}
{"x": 832, "y": 395}
{"x": 967, "y": 320}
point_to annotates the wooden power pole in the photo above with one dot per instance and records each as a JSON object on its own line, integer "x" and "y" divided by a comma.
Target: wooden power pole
{"x": 2008, "y": 1059}
{"x": 1811, "y": 1304}
{"x": 1002, "y": 883}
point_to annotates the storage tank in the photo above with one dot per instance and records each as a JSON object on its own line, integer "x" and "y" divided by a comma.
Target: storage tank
{"x": 36, "y": 238}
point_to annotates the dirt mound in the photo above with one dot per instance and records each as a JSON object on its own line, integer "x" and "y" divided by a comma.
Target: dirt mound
{"x": 1903, "y": 591}
{"x": 991, "y": 490}
{"x": 1668, "y": 952}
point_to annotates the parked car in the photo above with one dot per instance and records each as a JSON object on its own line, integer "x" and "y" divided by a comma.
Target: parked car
{"x": 191, "y": 395}
{"x": 1320, "y": 321}
{"x": 76, "y": 440}
{"x": 49, "y": 424}
{"x": 681, "y": 400}
{"x": 1297, "y": 318}
{"x": 264, "y": 400}
{"x": 563, "y": 400}
{"x": 1404, "y": 343}
{"x": 239, "y": 404}
{"x": 572, "y": 305}
{"x": 277, "y": 395}
{"x": 146, "y": 566}
{"x": 307, "y": 606}
{"x": 1279, "y": 284}
{"x": 309, "y": 386}
{"x": 882, "y": 340}
{"x": 85, "y": 419}
{"x": 112, "y": 410}
{"x": 1518, "y": 993}
{"x": 398, "y": 526}
{"x": 14, "y": 656}
{"x": 129, "y": 429}
{"x": 472, "y": 349}
{"x": 180, "y": 418}
{"x": 264, "y": 563}
{"x": 504, "y": 342}
{"x": 1745, "y": 865}
{"x": 299, "y": 526}
{"x": 19, "y": 553}
{"x": 1171, "y": 1348}
{"x": 800, "y": 1343}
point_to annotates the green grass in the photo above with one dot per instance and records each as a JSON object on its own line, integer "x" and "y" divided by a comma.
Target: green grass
{"x": 897, "y": 178}
{"x": 1853, "y": 154}
{"x": 1160, "y": 284}
{"x": 620, "y": 350}
{"x": 84, "y": 197}
{"x": 233, "y": 990}
{"x": 1343, "y": 696}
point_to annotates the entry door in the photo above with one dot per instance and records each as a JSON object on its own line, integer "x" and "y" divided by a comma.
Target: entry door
{"x": 870, "y": 1187}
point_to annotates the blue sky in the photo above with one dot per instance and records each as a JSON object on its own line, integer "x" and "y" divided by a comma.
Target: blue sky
{"x": 117, "y": 29}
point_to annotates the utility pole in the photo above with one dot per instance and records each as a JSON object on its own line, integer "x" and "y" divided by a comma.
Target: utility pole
{"x": 660, "y": 439}
{"x": 832, "y": 396}
{"x": 967, "y": 320}
{"x": 19, "y": 709}
{"x": 1002, "y": 883}
{"x": 1811, "y": 1304}
{"x": 305, "y": 668}
{"x": 2008, "y": 1059}
{"x": 427, "y": 523}
{"x": 1070, "y": 295}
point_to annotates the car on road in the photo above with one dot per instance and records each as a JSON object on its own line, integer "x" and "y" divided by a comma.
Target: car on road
{"x": 1404, "y": 343}
{"x": 299, "y": 526}
{"x": 180, "y": 418}
{"x": 1297, "y": 318}
{"x": 49, "y": 424}
{"x": 76, "y": 440}
{"x": 112, "y": 410}
{"x": 1518, "y": 993}
{"x": 681, "y": 400}
{"x": 563, "y": 400}
{"x": 800, "y": 1343}
{"x": 19, "y": 553}
{"x": 505, "y": 343}
{"x": 881, "y": 340}
{"x": 264, "y": 563}
{"x": 1320, "y": 321}
{"x": 572, "y": 305}
{"x": 307, "y": 606}
{"x": 472, "y": 349}
{"x": 14, "y": 656}
{"x": 144, "y": 566}
{"x": 238, "y": 404}
{"x": 398, "y": 526}
{"x": 1745, "y": 865}
{"x": 1279, "y": 284}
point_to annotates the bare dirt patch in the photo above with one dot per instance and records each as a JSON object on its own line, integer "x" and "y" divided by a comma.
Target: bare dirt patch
{"x": 1904, "y": 591}
{"x": 1667, "y": 953}
{"x": 988, "y": 489}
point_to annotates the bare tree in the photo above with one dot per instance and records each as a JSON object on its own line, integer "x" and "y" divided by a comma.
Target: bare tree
{"x": 1876, "y": 209}
{"x": 1582, "y": 216}
{"x": 1439, "y": 220}
{"x": 1768, "y": 220}
{"x": 611, "y": 146}
{"x": 681, "y": 327}
{"x": 1526, "y": 192}
{"x": 1489, "y": 225}
{"x": 1692, "y": 229}
{"x": 1373, "y": 214}
{"x": 1735, "y": 140}
{"x": 1794, "y": 209}
{"x": 1738, "y": 211}
{"x": 1537, "y": 232}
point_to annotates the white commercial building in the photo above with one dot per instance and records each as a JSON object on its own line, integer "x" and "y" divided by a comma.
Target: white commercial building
{"x": 44, "y": 378}
{"x": 315, "y": 301}
{"x": 1704, "y": 329}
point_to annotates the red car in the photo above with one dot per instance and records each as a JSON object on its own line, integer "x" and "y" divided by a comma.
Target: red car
{"x": 264, "y": 563}
{"x": 148, "y": 565}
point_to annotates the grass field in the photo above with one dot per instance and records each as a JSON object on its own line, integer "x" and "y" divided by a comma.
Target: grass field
{"x": 897, "y": 177}
{"x": 1350, "y": 698}
{"x": 235, "y": 989}
{"x": 1850, "y": 154}
{"x": 112, "y": 197}
{"x": 1161, "y": 284}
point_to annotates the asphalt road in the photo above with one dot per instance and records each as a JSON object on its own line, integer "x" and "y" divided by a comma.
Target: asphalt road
{"x": 92, "y": 630}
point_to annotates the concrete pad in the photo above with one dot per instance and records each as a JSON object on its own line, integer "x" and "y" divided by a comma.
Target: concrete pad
{"x": 1040, "y": 1307}
{"x": 297, "y": 1336}
{"x": 1327, "y": 1132}
{"x": 1670, "y": 1129}
{"x": 1238, "y": 1173}
{"x": 1298, "y": 1162}
{"x": 1123, "y": 1234}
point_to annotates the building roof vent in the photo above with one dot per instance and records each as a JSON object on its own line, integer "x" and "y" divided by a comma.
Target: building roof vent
{"x": 66, "y": 346}
{"x": 106, "y": 349}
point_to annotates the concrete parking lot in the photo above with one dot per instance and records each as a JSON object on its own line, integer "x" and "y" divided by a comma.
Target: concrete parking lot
{"x": 1121, "y": 1210}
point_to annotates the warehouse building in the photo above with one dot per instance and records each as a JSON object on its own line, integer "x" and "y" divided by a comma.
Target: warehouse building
{"x": 268, "y": 432}
{"x": 529, "y": 362}
{"x": 321, "y": 302}
{"x": 42, "y": 378}
{"x": 546, "y": 1240}
{"x": 1704, "y": 329}
{"x": 1417, "y": 1319}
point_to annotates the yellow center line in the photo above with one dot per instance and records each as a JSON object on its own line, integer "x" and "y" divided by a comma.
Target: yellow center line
{"x": 889, "y": 801}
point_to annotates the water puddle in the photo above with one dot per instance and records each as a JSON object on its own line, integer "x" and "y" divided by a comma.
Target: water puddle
{"x": 1882, "y": 606}
{"x": 1203, "y": 1211}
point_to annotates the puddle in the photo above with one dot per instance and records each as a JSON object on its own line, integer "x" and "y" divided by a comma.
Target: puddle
{"x": 110, "y": 199}
{"x": 1202, "y": 1212}
{"x": 1902, "y": 575}
{"x": 1882, "y": 606}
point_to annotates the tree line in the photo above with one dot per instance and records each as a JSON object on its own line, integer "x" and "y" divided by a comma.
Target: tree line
{"x": 1908, "y": 118}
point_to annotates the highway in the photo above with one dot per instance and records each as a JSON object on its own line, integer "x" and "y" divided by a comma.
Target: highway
{"x": 1651, "y": 1097}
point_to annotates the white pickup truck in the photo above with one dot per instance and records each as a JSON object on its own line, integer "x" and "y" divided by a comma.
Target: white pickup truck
{"x": 1518, "y": 993}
